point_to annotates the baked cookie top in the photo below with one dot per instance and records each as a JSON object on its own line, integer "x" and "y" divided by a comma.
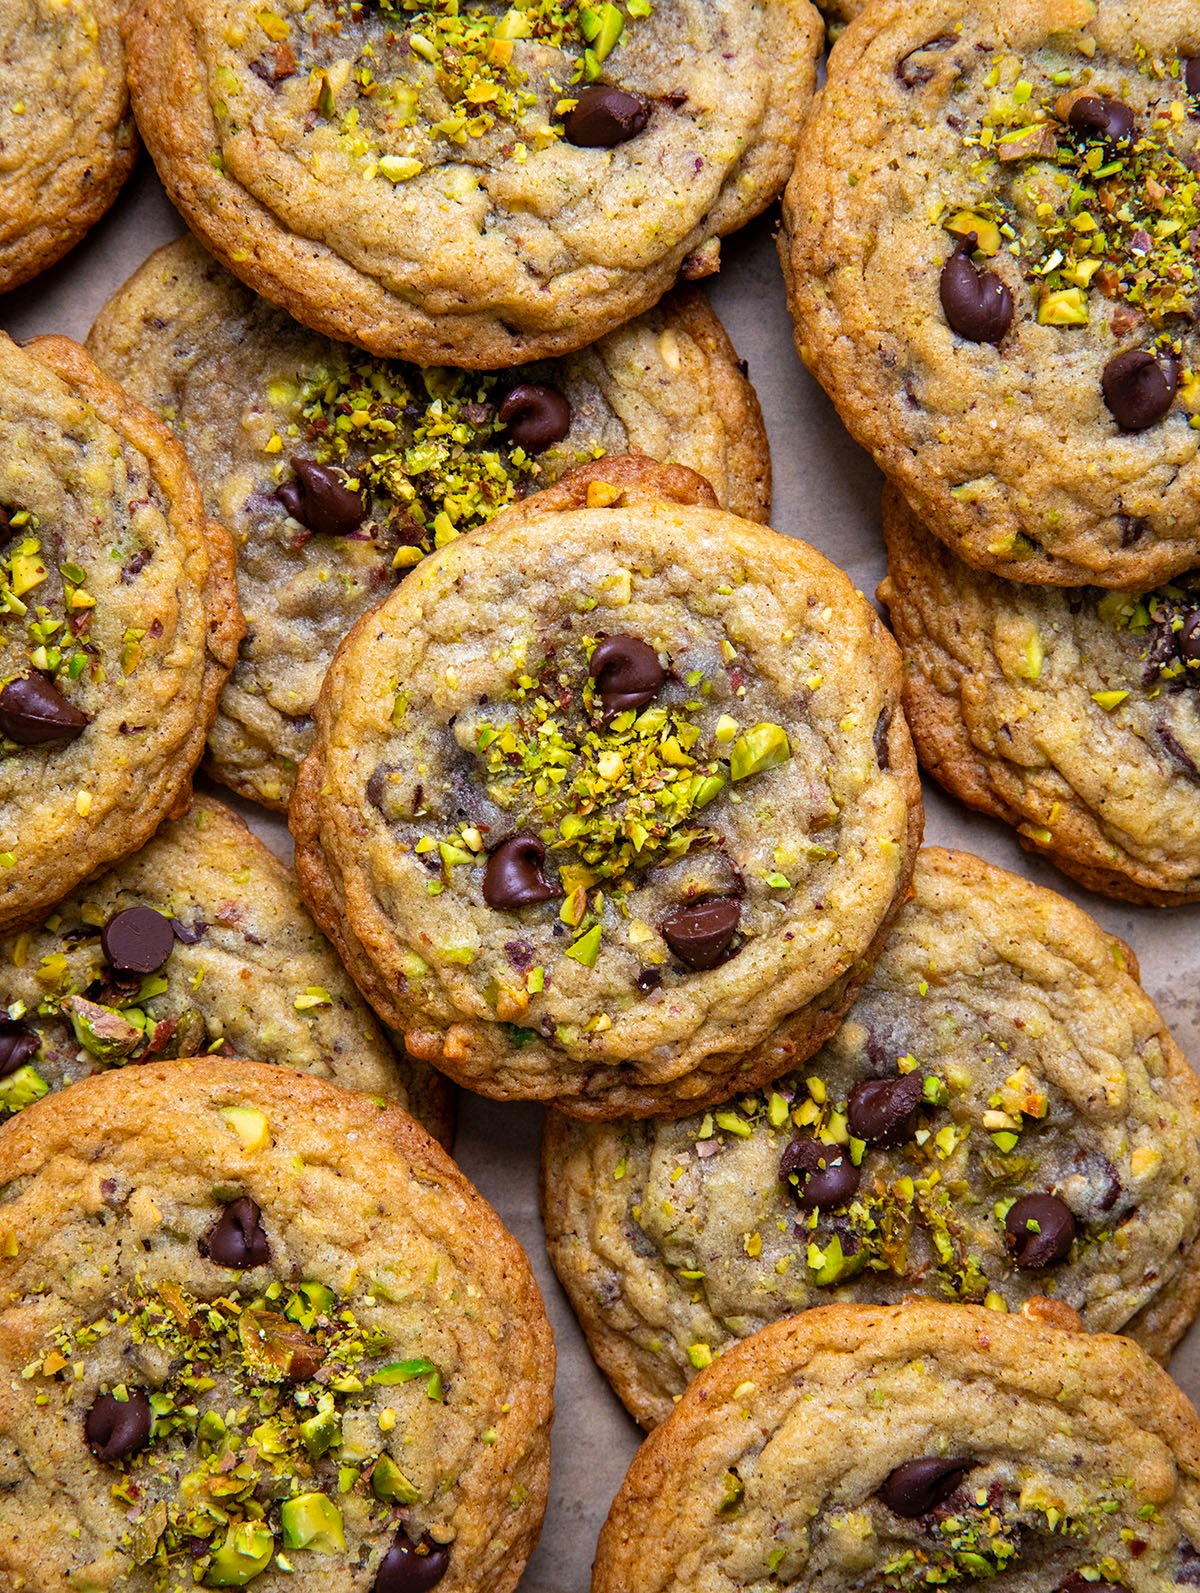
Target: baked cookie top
{"x": 991, "y": 245}
{"x": 1069, "y": 713}
{"x": 610, "y": 804}
{"x": 912, "y": 1446}
{"x": 198, "y": 943}
{"x": 1002, "y": 1115}
{"x": 457, "y": 183}
{"x": 67, "y": 139}
{"x": 257, "y": 1330}
{"x": 278, "y": 421}
{"x": 118, "y": 624}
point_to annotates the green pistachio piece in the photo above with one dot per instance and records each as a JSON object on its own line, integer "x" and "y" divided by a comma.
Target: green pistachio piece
{"x": 764, "y": 746}
{"x": 587, "y": 948}
{"x": 320, "y": 1433}
{"x": 310, "y": 1301}
{"x": 390, "y": 1484}
{"x": 311, "y": 1521}
{"x": 403, "y": 1371}
{"x": 106, "y": 1034}
{"x": 22, "y": 1088}
{"x": 245, "y": 1554}
{"x": 602, "y": 27}
{"x": 832, "y": 1265}
{"x": 210, "y": 1429}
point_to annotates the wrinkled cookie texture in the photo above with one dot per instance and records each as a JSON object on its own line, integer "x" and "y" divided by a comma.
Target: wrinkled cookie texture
{"x": 226, "y": 959}
{"x": 1001, "y": 1049}
{"x": 119, "y": 624}
{"x": 457, "y": 183}
{"x": 1070, "y": 713}
{"x": 907, "y": 1447}
{"x": 991, "y": 240}
{"x": 258, "y": 1330}
{"x": 259, "y": 402}
{"x": 67, "y": 139}
{"x": 611, "y": 804}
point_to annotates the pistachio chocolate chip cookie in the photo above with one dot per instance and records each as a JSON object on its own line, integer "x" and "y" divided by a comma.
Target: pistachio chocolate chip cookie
{"x": 199, "y": 942}
{"x": 456, "y": 183}
{"x": 256, "y": 1330}
{"x": 336, "y": 473}
{"x": 991, "y": 239}
{"x": 1002, "y": 1115}
{"x": 67, "y": 139}
{"x": 119, "y": 624}
{"x": 612, "y": 805}
{"x": 907, "y": 1447}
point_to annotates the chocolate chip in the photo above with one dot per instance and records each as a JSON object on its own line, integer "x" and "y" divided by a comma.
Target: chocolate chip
{"x": 627, "y": 673}
{"x": 700, "y": 934}
{"x": 320, "y": 500}
{"x": 32, "y": 712}
{"x": 6, "y": 529}
{"x": 605, "y": 116}
{"x": 883, "y": 1111}
{"x": 513, "y": 876}
{"x": 978, "y": 306}
{"x": 18, "y": 1042}
{"x": 1187, "y": 639}
{"x": 117, "y": 1428}
{"x": 1110, "y": 120}
{"x": 1140, "y": 387}
{"x": 237, "y": 1238}
{"x": 912, "y": 71}
{"x": 138, "y": 941}
{"x": 1040, "y": 1230}
{"x": 1191, "y": 76}
{"x": 649, "y": 979}
{"x": 1189, "y": 1564}
{"x": 879, "y": 738}
{"x": 825, "y": 1175}
{"x": 1078, "y": 1583}
{"x": 410, "y": 1567}
{"x": 535, "y": 416}
{"x": 919, "y": 1486}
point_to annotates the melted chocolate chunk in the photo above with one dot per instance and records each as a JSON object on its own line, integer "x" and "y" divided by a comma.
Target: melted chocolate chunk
{"x": 977, "y": 303}
{"x": 913, "y": 70}
{"x": 1191, "y": 76}
{"x": 701, "y": 933}
{"x": 825, "y": 1175}
{"x": 410, "y": 1567}
{"x": 117, "y": 1428}
{"x": 513, "y": 876}
{"x": 1139, "y": 388}
{"x": 536, "y": 416}
{"x": 627, "y": 673}
{"x": 1109, "y": 120}
{"x": 605, "y": 116}
{"x": 33, "y": 712}
{"x": 237, "y": 1239}
{"x": 879, "y": 737}
{"x": 1040, "y": 1230}
{"x": 137, "y": 941}
{"x": 320, "y": 499}
{"x": 18, "y": 1044}
{"x": 883, "y": 1111}
{"x": 919, "y": 1486}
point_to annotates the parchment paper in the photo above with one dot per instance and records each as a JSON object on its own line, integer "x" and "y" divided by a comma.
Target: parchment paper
{"x": 826, "y": 491}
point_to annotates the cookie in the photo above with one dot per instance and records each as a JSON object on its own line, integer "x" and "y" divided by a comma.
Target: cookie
{"x": 612, "y": 803}
{"x": 259, "y": 1331}
{"x": 909, "y": 1447}
{"x": 1001, "y": 1061}
{"x": 119, "y": 624}
{"x": 990, "y": 251}
{"x": 1067, "y": 712}
{"x": 199, "y": 942}
{"x": 267, "y": 409}
{"x": 67, "y": 139}
{"x": 464, "y": 185}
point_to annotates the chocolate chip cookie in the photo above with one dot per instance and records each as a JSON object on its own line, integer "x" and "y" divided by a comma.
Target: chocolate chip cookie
{"x": 612, "y": 804}
{"x": 456, "y": 183}
{"x": 67, "y": 140}
{"x": 198, "y": 943}
{"x": 119, "y": 624}
{"x": 991, "y": 238}
{"x": 1070, "y": 713}
{"x": 259, "y": 1331}
{"x": 1002, "y": 1115}
{"x": 336, "y": 473}
{"x": 910, "y": 1447}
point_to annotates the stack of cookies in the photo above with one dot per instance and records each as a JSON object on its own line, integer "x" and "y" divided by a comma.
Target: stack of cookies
{"x": 419, "y": 496}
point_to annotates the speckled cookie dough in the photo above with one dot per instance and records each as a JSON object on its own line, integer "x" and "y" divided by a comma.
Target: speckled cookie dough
{"x": 456, "y": 183}
{"x": 119, "y": 624}
{"x": 256, "y": 1330}
{"x": 1069, "y": 713}
{"x": 612, "y": 805}
{"x": 1000, "y": 1063}
{"x": 198, "y": 943}
{"x": 67, "y": 140}
{"x": 910, "y": 1447}
{"x": 991, "y": 243}
{"x": 269, "y": 411}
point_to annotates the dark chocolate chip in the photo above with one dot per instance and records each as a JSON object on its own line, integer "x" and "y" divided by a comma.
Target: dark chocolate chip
{"x": 880, "y": 738}
{"x": 535, "y": 416}
{"x": 649, "y": 979}
{"x": 700, "y": 934}
{"x": 605, "y": 116}
{"x": 320, "y": 499}
{"x": 1140, "y": 387}
{"x": 513, "y": 876}
{"x": 18, "y": 1042}
{"x": 825, "y": 1175}
{"x": 1078, "y": 1583}
{"x": 978, "y": 305}
{"x": 627, "y": 673}
{"x": 883, "y": 1111}
{"x": 237, "y": 1238}
{"x": 1187, "y": 639}
{"x": 1189, "y": 1564}
{"x": 117, "y": 1428}
{"x": 912, "y": 71}
{"x": 32, "y": 712}
{"x": 1110, "y": 120}
{"x": 138, "y": 941}
{"x": 6, "y": 530}
{"x": 1191, "y": 76}
{"x": 919, "y": 1486}
{"x": 410, "y": 1567}
{"x": 1040, "y": 1230}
